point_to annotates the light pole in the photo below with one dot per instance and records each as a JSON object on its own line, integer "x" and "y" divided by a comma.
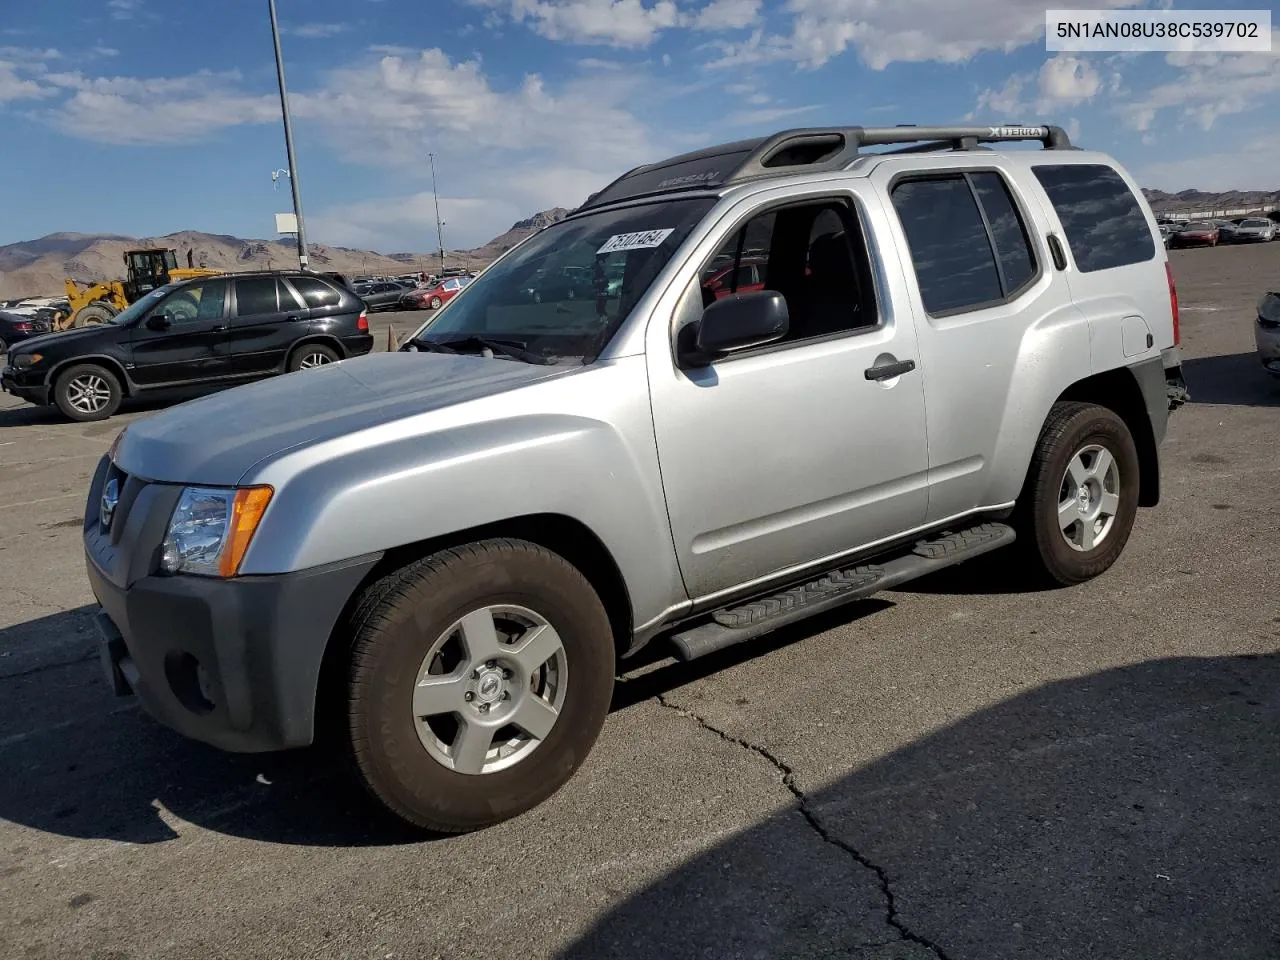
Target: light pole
{"x": 436, "y": 196}
{"x": 288, "y": 139}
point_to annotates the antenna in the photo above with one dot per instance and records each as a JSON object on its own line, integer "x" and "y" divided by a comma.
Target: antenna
{"x": 436, "y": 196}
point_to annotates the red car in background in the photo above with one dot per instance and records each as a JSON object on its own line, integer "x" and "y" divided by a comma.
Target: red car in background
{"x": 435, "y": 296}
{"x": 1197, "y": 234}
{"x": 750, "y": 276}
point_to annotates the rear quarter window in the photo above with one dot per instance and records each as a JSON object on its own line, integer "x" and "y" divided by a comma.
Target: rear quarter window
{"x": 315, "y": 292}
{"x": 1104, "y": 223}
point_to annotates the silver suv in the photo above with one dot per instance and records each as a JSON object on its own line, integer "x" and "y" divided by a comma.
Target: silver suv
{"x": 615, "y": 435}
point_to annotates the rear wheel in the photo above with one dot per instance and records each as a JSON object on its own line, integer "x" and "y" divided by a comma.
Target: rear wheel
{"x": 1081, "y": 496}
{"x": 311, "y": 355}
{"x": 96, "y": 312}
{"x": 480, "y": 679}
{"x": 87, "y": 392}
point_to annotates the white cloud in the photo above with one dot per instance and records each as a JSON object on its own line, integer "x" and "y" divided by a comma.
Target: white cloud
{"x": 408, "y": 223}
{"x": 1210, "y": 86}
{"x": 595, "y": 63}
{"x": 727, "y": 15}
{"x": 316, "y": 31}
{"x": 14, "y": 87}
{"x": 902, "y": 31}
{"x": 616, "y": 23}
{"x": 124, "y": 9}
{"x": 157, "y": 110}
{"x": 106, "y": 51}
{"x": 752, "y": 118}
{"x": 1068, "y": 79}
{"x": 1250, "y": 166}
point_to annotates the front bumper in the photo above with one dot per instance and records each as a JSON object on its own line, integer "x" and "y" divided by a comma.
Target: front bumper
{"x": 33, "y": 390}
{"x": 234, "y": 663}
{"x": 1268, "y": 340}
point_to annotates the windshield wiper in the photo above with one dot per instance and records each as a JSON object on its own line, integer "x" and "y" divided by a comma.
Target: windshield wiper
{"x": 499, "y": 347}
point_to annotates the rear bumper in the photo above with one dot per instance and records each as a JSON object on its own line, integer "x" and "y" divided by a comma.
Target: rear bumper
{"x": 358, "y": 344}
{"x": 1268, "y": 340}
{"x": 234, "y": 663}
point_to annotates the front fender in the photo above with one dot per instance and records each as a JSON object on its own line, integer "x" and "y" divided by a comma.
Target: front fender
{"x": 362, "y": 494}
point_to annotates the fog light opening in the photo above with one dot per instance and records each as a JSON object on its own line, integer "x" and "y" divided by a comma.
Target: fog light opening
{"x": 190, "y": 682}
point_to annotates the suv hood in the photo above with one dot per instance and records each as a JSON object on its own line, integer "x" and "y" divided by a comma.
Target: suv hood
{"x": 64, "y": 337}
{"x": 217, "y": 439}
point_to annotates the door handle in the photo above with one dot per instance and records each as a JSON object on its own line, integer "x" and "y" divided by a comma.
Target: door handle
{"x": 292, "y": 318}
{"x": 887, "y": 371}
{"x": 219, "y": 328}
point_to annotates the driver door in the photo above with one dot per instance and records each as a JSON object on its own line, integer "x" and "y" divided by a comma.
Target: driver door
{"x": 191, "y": 346}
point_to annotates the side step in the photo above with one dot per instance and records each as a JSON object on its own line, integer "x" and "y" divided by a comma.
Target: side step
{"x": 733, "y": 625}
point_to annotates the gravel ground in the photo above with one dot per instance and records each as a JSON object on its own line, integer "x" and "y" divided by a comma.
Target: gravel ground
{"x": 955, "y": 770}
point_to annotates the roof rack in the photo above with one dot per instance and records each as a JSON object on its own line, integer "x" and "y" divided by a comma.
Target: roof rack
{"x": 807, "y": 150}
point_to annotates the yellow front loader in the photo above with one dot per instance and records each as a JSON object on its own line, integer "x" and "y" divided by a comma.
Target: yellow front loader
{"x": 146, "y": 270}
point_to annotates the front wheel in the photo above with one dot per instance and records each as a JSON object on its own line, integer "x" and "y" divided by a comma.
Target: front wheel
{"x": 435, "y": 303}
{"x": 87, "y": 392}
{"x": 1081, "y": 497}
{"x": 480, "y": 679}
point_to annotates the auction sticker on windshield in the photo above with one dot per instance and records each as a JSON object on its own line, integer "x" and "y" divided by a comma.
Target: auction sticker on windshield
{"x": 643, "y": 240}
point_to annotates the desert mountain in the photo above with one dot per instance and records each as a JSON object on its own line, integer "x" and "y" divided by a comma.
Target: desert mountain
{"x": 37, "y": 268}
{"x": 1196, "y": 200}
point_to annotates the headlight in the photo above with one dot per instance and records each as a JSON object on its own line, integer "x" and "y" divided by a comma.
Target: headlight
{"x": 25, "y": 360}
{"x": 211, "y": 528}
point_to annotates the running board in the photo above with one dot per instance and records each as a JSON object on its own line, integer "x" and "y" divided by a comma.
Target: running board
{"x": 733, "y": 625}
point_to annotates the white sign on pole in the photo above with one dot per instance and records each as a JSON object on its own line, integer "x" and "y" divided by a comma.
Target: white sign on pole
{"x": 286, "y": 223}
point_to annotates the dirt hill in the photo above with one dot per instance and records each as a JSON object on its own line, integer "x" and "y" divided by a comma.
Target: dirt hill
{"x": 37, "y": 268}
{"x": 1162, "y": 202}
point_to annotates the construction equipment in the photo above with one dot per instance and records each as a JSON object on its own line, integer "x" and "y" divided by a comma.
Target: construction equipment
{"x": 145, "y": 271}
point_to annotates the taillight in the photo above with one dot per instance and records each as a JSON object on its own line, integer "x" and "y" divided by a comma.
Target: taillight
{"x": 1173, "y": 303}
{"x": 362, "y": 321}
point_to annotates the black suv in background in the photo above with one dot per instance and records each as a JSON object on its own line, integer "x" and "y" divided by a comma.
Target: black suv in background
{"x": 224, "y": 329}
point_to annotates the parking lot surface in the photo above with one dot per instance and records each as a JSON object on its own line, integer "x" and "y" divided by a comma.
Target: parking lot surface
{"x": 957, "y": 770}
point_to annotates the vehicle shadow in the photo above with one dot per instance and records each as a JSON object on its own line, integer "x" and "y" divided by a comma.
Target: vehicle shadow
{"x": 89, "y": 765}
{"x": 1129, "y": 813}
{"x": 28, "y": 415}
{"x": 1237, "y": 379}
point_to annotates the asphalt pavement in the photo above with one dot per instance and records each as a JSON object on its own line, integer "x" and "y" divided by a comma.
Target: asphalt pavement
{"x": 955, "y": 770}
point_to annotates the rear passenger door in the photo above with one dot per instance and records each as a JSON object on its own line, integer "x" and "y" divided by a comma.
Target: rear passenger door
{"x": 267, "y": 319}
{"x": 990, "y": 308}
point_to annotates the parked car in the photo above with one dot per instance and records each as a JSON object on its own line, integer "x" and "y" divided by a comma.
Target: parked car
{"x": 1196, "y": 234}
{"x": 15, "y": 327}
{"x": 203, "y": 331}
{"x": 382, "y": 295}
{"x": 435, "y": 296}
{"x": 444, "y": 551}
{"x": 1252, "y": 230}
{"x": 1267, "y": 333}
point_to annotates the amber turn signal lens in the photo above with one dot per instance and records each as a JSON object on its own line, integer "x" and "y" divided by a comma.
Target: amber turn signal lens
{"x": 246, "y": 513}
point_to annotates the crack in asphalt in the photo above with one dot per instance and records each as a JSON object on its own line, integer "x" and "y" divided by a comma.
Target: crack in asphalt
{"x": 789, "y": 781}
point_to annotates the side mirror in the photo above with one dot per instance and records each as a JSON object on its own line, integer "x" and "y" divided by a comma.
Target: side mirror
{"x": 159, "y": 321}
{"x": 739, "y": 322}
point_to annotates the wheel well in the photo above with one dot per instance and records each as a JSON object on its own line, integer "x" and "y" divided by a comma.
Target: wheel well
{"x": 1118, "y": 391}
{"x": 560, "y": 534}
{"x": 320, "y": 338}
{"x": 109, "y": 363}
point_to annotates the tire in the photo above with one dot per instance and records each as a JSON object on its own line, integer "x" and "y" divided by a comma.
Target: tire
{"x": 182, "y": 306}
{"x": 4, "y": 347}
{"x": 1074, "y": 433}
{"x": 311, "y": 355}
{"x": 87, "y": 392}
{"x": 90, "y": 313}
{"x": 415, "y": 767}
{"x": 435, "y": 303}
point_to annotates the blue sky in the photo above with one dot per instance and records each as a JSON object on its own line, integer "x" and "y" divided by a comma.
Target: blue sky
{"x": 148, "y": 116}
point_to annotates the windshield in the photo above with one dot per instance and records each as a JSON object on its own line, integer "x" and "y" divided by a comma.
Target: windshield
{"x": 139, "y": 307}
{"x": 566, "y": 290}
{"x": 1200, "y": 226}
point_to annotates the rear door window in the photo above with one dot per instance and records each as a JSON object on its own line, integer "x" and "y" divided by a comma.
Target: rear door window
{"x": 1104, "y": 223}
{"x": 256, "y": 295}
{"x": 315, "y": 292}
